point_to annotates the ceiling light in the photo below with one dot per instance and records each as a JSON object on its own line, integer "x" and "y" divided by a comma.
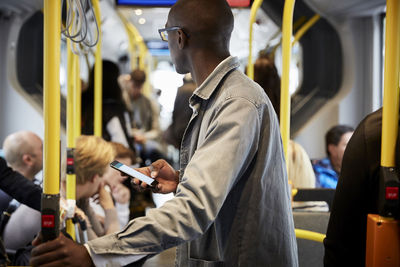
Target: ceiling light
{"x": 142, "y": 21}
{"x": 138, "y": 12}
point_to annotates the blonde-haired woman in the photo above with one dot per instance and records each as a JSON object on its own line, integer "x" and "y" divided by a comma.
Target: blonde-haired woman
{"x": 92, "y": 157}
{"x": 300, "y": 171}
{"x": 301, "y": 174}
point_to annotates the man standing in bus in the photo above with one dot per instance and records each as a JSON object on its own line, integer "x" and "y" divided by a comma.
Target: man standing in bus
{"x": 232, "y": 199}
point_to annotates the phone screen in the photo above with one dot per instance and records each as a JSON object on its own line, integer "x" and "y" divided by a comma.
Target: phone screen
{"x": 133, "y": 173}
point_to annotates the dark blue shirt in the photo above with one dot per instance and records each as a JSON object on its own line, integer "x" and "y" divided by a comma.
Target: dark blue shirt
{"x": 326, "y": 176}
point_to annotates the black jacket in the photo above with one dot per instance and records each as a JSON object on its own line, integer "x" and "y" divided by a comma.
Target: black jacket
{"x": 356, "y": 195}
{"x": 19, "y": 187}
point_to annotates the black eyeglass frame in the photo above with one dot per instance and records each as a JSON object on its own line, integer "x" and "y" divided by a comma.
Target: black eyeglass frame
{"x": 168, "y": 29}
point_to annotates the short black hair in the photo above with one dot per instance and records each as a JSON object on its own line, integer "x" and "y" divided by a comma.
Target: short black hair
{"x": 334, "y": 135}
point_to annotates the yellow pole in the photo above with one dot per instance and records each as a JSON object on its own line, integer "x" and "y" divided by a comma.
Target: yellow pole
{"x": 309, "y": 235}
{"x": 132, "y": 41}
{"x": 390, "y": 113}
{"x": 51, "y": 84}
{"x": 71, "y": 179}
{"x": 98, "y": 73}
{"x": 70, "y": 92}
{"x": 77, "y": 99}
{"x": 140, "y": 43}
{"x": 143, "y": 52}
{"x": 253, "y": 12}
{"x": 305, "y": 28}
{"x": 51, "y": 109}
{"x": 147, "y": 86}
{"x": 286, "y": 54}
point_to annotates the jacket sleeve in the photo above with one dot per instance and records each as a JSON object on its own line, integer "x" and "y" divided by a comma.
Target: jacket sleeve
{"x": 355, "y": 197}
{"x": 19, "y": 187}
{"x": 219, "y": 161}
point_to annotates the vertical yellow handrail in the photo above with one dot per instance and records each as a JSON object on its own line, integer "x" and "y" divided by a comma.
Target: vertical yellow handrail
{"x": 253, "y": 12}
{"x": 51, "y": 110}
{"x": 51, "y": 88}
{"x": 390, "y": 113}
{"x": 77, "y": 98}
{"x": 71, "y": 178}
{"x": 133, "y": 44}
{"x": 287, "y": 29}
{"x": 98, "y": 73}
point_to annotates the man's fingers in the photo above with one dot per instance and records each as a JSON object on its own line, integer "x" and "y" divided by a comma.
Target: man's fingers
{"x": 38, "y": 240}
{"x": 136, "y": 185}
{"x": 49, "y": 246}
{"x": 54, "y": 257}
{"x": 155, "y": 167}
{"x": 52, "y": 264}
{"x": 157, "y": 188}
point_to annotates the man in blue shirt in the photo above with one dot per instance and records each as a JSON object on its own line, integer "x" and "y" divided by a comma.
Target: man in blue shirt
{"x": 327, "y": 170}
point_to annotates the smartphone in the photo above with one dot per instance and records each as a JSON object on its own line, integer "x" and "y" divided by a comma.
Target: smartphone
{"x": 133, "y": 173}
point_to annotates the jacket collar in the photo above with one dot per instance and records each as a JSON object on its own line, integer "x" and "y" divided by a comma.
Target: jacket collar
{"x": 205, "y": 90}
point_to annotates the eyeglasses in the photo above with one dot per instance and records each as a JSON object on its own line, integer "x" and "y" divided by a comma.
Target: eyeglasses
{"x": 164, "y": 32}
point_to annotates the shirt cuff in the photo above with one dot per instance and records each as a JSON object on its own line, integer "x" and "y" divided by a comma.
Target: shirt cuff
{"x": 100, "y": 260}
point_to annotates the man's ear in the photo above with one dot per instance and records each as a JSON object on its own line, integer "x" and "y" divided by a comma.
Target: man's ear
{"x": 27, "y": 159}
{"x": 182, "y": 39}
{"x": 94, "y": 177}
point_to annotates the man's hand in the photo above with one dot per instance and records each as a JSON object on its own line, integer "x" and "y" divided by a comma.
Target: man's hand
{"x": 165, "y": 175}
{"x": 61, "y": 251}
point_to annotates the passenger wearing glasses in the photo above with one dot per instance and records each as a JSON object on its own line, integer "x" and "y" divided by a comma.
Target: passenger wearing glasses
{"x": 232, "y": 199}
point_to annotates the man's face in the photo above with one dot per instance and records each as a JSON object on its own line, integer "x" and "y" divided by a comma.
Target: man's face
{"x": 134, "y": 90}
{"x": 37, "y": 154}
{"x": 176, "y": 53}
{"x": 337, "y": 152}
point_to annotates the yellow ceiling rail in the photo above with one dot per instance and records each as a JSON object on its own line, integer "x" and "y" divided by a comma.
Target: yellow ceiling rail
{"x": 51, "y": 112}
{"x": 287, "y": 30}
{"x": 253, "y": 13}
{"x": 390, "y": 113}
{"x": 305, "y": 28}
{"x": 98, "y": 73}
{"x": 309, "y": 235}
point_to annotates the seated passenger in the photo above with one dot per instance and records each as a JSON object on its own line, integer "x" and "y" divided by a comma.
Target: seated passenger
{"x": 327, "y": 170}
{"x": 23, "y": 152}
{"x": 114, "y": 184}
{"x": 92, "y": 157}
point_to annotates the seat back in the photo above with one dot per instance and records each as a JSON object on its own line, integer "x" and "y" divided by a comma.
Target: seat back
{"x": 311, "y": 253}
